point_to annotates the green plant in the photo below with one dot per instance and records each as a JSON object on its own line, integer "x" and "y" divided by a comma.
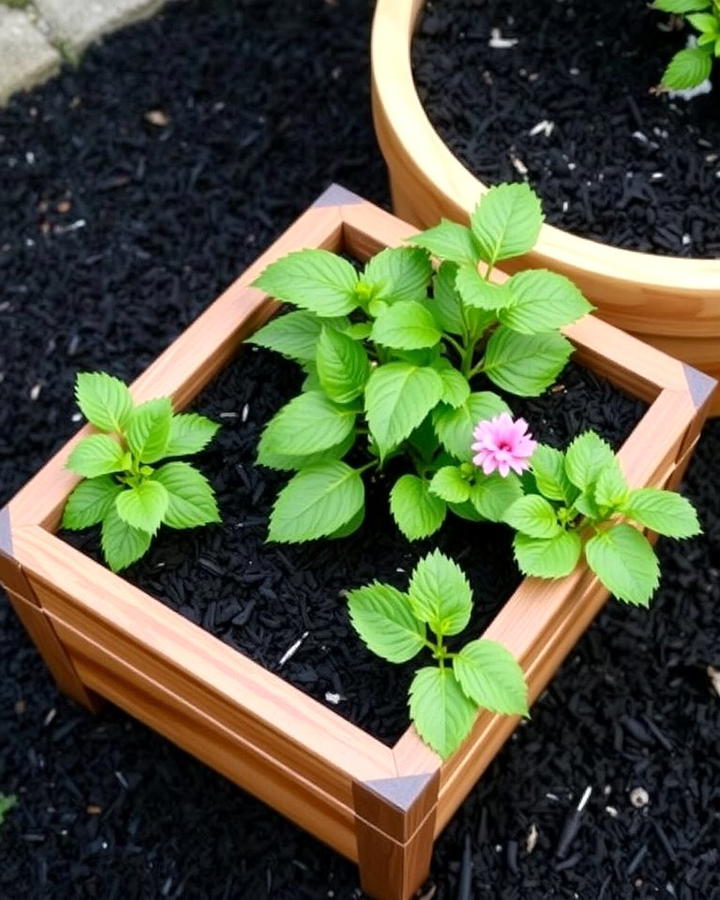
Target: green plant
{"x": 444, "y": 697}
{"x": 577, "y": 502}
{"x": 691, "y": 66}
{"x": 392, "y": 356}
{"x": 122, "y": 489}
{"x": 7, "y": 802}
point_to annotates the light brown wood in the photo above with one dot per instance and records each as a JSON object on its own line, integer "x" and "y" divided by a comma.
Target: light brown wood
{"x": 378, "y": 805}
{"x": 671, "y": 302}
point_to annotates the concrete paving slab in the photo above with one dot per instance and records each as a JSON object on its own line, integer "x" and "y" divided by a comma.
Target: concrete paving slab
{"x": 26, "y": 58}
{"x": 77, "y": 23}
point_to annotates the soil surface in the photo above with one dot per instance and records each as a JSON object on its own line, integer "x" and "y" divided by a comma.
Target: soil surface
{"x": 267, "y": 103}
{"x": 559, "y": 94}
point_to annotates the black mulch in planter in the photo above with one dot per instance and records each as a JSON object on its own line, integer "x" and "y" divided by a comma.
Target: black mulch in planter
{"x": 569, "y": 108}
{"x": 267, "y": 103}
{"x": 263, "y": 598}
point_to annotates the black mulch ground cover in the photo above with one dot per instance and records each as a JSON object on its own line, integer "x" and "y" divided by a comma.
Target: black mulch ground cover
{"x": 569, "y": 108}
{"x": 263, "y": 598}
{"x": 114, "y": 233}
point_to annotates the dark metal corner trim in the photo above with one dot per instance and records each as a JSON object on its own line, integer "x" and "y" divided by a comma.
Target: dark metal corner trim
{"x": 5, "y": 532}
{"x": 402, "y": 791}
{"x": 699, "y": 384}
{"x": 337, "y": 195}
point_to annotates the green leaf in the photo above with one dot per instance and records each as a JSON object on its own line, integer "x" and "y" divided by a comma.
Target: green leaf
{"x": 611, "y": 489}
{"x": 491, "y": 495}
{"x": 406, "y": 325}
{"x": 456, "y": 389}
{"x": 525, "y": 364}
{"x": 398, "y": 396}
{"x": 342, "y": 366}
{"x": 449, "y": 484}
{"x": 542, "y": 301}
{"x": 548, "y": 467}
{"x": 294, "y": 334}
{"x": 446, "y": 305}
{"x": 317, "y": 280}
{"x": 148, "y": 430}
{"x": 705, "y": 22}
{"x": 96, "y": 455}
{"x": 442, "y": 714}
{"x": 7, "y": 802}
{"x": 288, "y": 461}
{"x": 449, "y": 241}
{"x": 506, "y": 222}
{"x": 144, "y": 505}
{"x": 90, "y": 502}
{"x": 680, "y": 6}
{"x": 665, "y": 512}
{"x": 551, "y": 558}
{"x": 191, "y": 500}
{"x": 309, "y": 423}
{"x": 121, "y": 543}
{"x": 424, "y": 440}
{"x": 585, "y": 459}
{"x": 358, "y": 331}
{"x": 440, "y": 594}
{"x": 418, "y": 513}
{"x": 534, "y": 516}
{"x": 350, "y": 526}
{"x": 481, "y": 294}
{"x": 104, "y": 401}
{"x": 189, "y": 433}
{"x": 454, "y": 426}
{"x": 625, "y": 563}
{"x": 383, "y": 618}
{"x": 491, "y": 677}
{"x": 687, "y": 69}
{"x": 316, "y": 502}
{"x": 466, "y": 511}
{"x": 399, "y": 273}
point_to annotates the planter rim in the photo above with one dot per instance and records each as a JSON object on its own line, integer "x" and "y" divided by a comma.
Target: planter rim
{"x": 394, "y": 90}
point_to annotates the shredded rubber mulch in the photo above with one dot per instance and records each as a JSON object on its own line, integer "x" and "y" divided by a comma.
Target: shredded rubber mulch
{"x": 559, "y": 94}
{"x": 115, "y": 232}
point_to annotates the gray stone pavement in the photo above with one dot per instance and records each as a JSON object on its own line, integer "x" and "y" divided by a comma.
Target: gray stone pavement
{"x": 37, "y": 35}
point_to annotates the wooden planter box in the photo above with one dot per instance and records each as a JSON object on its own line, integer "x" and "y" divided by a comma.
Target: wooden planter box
{"x": 103, "y": 638}
{"x": 669, "y": 302}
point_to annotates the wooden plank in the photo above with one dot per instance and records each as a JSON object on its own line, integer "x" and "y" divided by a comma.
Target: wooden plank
{"x": 227, "y": 750}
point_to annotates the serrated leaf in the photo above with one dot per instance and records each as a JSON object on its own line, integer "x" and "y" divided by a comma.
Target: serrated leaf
{"x": 506, "y": 222}
{"x": 551, "y": 558}
{"x": 343, "y": 367}
{"x": 143, "y": 506}
{"x": 358, "y": 331}
{"x": 449, "y": 241}
{"x": 417, "y": 512}
{"x": 449, "y": 484}
{"x": 148, "y": 429}
{"x": 680, "y": 6}
{"x": 492, "y": 494}
{"x": 491, "y": 677}
{"x": 440, "y": 594}
{"x": 96, "y": 455}
{"x": 534, "y": 516}
{"x": 399, "y": 273}
{"x": 705, "y": 22}
{"x": 466, "y": 511}
{"x": 383, "y": 618}
{"x": 316, "y": 502}
{"x": 350, "y": 526}
{"x": 687, "y": 69}
{"x": 294, "y": 334}
{"x": 442, "y": 714}
{"x": 525, "y": 364}
{"x": 105, "y": 401}
{"x": 665, "y": 512}
{"x": 456, "y": 389}
{"x": 454, "y": 426}
{"x": 121, "y": 543}
{"x": 288, "y": 462}
{"x": 309, "y": 423}
{"x": 478, "y": 293}
{"x": 449, "y": 311}
{"x": 625, "y": 563}
{"x": 586, "y": 457}
{"x": 316, "y": 280}
{"x": 548, "y": 467}
{"x": 398, "y": 396}
{"x": 191, "y": 501}
{"x": 189, "y": 433}
{"x": 90, "y": 502}
{"x": 542, "y": 301}
{"x": 611, "y": 489}
{"x": 406, "y": 325}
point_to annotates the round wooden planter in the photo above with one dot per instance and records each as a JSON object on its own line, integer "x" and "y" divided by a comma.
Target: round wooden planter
{"x": 669, "y": 302}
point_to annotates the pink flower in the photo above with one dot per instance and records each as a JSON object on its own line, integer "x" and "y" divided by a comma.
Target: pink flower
{"x": 503, "y": 445}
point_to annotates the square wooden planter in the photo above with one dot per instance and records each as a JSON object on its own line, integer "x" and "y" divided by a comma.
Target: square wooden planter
{"x": 103, "y": 638}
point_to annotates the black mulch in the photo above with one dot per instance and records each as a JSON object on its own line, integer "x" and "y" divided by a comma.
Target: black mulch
{"x": 160, "y": 217}
{"x": 616, "y": 162}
